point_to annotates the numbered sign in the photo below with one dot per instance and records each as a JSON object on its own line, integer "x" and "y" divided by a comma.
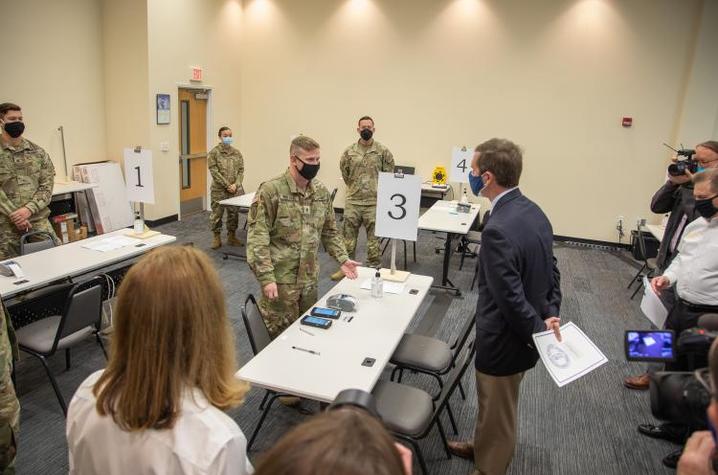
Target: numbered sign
{"x": 397, "y": 206}
{"x": 460, "y": 164}
{"x": 139, "y": 178}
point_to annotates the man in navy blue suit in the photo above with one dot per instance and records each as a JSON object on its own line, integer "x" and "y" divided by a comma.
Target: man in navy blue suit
{"x": 519, "y": 295}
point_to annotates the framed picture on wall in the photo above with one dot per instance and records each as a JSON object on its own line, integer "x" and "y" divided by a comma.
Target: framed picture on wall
{"x": 163, "y": 109}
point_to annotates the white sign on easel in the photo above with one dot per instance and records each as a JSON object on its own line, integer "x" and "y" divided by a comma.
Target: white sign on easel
{"x": 397, "y": 206}
{"x": 139, "y": 178}
{"x": 460, "y": 164}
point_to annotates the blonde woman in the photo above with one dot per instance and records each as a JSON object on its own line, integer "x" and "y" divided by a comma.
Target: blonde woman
{"x": 158, "y": 406}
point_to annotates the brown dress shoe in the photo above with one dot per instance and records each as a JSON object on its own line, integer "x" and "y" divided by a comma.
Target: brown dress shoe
{"x": 639, "y": 383}
{"x": 461, "y": 449}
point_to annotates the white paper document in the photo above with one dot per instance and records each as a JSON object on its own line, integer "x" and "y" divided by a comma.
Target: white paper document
{"x": 572, "y": 358}
{"x": 110, "y": 243}
{"x": 652, "y": 306}
{"x": 389, "y": 287}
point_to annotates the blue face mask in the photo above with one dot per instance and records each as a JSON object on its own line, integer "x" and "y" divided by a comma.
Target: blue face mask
{"x": 227, "y": 140}
{"x": 476, "y": 183}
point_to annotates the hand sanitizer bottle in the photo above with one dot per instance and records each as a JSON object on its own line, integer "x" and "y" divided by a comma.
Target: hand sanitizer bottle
{"x": 139, "y": 226}
{"x": 377, "y": 285}
{"x": 465, "y": 198}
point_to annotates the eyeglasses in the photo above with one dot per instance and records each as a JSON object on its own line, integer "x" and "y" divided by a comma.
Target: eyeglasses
{"x": 703, "y": 376}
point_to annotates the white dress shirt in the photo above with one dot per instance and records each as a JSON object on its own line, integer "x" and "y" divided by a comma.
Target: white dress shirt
{"x": 499, "y": 196}
{"x": 204, "y": 440}
{"x": 694, "y": 271}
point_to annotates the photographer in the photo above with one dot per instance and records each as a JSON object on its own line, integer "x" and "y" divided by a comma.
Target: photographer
{"x": 676, "y": 197}
{"x": 698, "y": 454}
{"x": 693, "y": 274}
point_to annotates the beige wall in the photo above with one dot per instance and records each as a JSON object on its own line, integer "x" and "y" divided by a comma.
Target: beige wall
{"x": 555, "y": 76}
{"x": 52, "y": 68}
{"x": 183, "y": 34}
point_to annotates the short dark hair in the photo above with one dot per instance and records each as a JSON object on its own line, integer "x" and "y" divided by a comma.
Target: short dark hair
{"x": 366, "y": 117}
{"x": 222, "y": 129}
{"x": 6, "y": 107}
{"x": 711, "y": 176}
{"x": 710, "y": 145}
{"x": 503, "y": 158}
{"x": 346, "y": 441}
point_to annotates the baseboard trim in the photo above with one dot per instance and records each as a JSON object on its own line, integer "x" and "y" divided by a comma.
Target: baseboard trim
{"x": 590, "y": 242}
{"x": 161, "y": 221}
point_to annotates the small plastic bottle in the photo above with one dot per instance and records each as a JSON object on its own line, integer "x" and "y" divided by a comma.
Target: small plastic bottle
{"x": 377, "y": 285}
{"x": 139, "y": 226}
{"x": 465, "y": 198}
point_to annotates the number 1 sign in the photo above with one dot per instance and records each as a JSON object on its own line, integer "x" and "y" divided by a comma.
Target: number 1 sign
{"x": 139, "y": 179}
{"x": 397, "y": 206}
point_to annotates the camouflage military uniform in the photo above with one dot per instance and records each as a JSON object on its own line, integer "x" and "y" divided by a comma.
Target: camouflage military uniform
{"x": 26, "y": 179}
{"x": 226, "y": 165}
{"x": 360, "y": 166}
{"x": 9, "y": 405}
{"x": 286, "y": 225}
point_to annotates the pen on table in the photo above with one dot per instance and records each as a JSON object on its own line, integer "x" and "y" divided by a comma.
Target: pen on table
{"x": 306, "y": 331}
{"x": 305, "y": 350}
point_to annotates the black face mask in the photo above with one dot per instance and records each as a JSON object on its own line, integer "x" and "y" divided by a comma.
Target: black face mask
{"x": 14, "y": 129}
{"x": 705, "y": 207}
{"x": 309, "y": 170}
{"x": 366, "y": 134}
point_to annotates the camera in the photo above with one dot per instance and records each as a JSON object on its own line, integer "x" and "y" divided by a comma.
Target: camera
{"x": 676, "y": 396}
{"x": 681, "y": 166}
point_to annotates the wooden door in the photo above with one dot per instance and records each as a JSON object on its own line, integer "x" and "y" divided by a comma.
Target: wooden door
{"x": 193, "y": 150}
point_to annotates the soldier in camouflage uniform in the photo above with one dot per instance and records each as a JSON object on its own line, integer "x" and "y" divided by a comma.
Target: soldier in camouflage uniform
{"x": 26, "y": 181}
{"x": 361, "y": 164}
{"x": 226, "y": 165}
{"x": 9, "y": 405}
{"x": 291, "y": 214}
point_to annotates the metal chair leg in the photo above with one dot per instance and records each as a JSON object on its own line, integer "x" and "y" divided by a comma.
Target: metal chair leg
{"x": 451, "y": 418}
{"x": 640, "y": 286}
{"x": 635, "y": 277}
{"x": 401, "y": 373}
{"x": 102, "y": 345}
{"x": 261, "y": 421}
{"x": 67, "y": 359}
{"x": 461, "y": 391}
{"x": 393, "y": 373}
{"x": 443, "y": 438}
{"x": 264, "y": 399}
{"x": 60, "y": 399}
{"x": 417, "y": 452}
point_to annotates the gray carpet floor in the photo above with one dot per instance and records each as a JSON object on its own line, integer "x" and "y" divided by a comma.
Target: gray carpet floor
{"x": 588, "y": 426}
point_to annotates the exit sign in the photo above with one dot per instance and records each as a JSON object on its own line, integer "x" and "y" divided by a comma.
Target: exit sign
{"x": 196, "y": 73}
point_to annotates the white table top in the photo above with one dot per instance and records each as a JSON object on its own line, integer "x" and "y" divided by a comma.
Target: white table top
{"x": 429, "y": 187}
{"x": 71, "y": 187}
{"x": 243, "y": 201}
{"x": 443, "y": 217}
{"x": 657, "y": 230}
{"x": 374, "y": 332}
{"x": 72, "y": 259}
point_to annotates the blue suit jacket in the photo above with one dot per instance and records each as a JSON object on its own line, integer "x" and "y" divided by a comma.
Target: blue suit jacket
{"x": 519, "y": 285}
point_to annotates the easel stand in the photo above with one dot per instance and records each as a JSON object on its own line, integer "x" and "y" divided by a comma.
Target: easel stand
{"x": 392, "y": 274}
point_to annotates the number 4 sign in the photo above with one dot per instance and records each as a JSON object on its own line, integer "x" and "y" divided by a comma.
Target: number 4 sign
{"x": 139, "y": 179}
{"x": 397, "y": 206}
{"x": 460, "y": 164}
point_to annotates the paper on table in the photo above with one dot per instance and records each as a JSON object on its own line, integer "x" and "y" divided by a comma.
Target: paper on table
{"x": 109, "y": 243}
{"x": 389, "y": 287}
{"x": 575, "y": 356}
{"x": 652, "y": 306}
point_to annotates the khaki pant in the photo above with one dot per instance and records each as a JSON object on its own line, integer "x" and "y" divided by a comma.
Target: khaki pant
{"x": 293, "y": 301}
{"x": 354, "y": 217}
{"x": 495, "y": 435}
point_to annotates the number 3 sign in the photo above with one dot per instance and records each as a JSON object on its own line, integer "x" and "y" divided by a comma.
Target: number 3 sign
{"x": 397, "y": 206}
{"x": 139, "y": 179}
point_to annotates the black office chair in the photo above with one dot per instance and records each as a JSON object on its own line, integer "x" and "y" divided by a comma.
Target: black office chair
{"x": 35, "y": 241}
{"x": 410, "y": 413}
{"x": 649, "y": 265}
{"x": 258, "y": 338}
{"x": 80, "y": 319}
